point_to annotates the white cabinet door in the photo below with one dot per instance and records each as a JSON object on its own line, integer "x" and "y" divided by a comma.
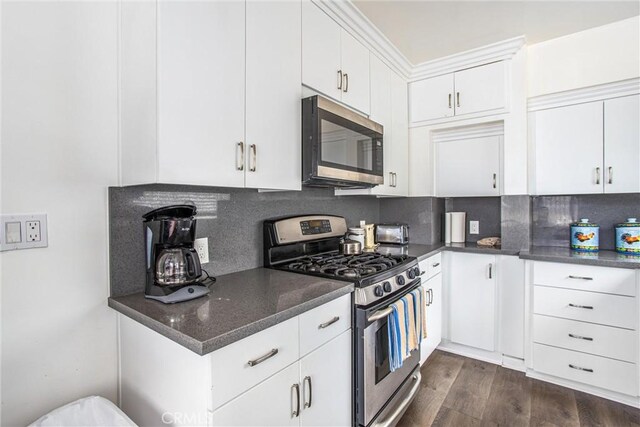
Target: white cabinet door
{"x": 201, "y": 58}
{"x": 433, "y": 290}
{"x": 355, "y": 70}
{"x": 511, "y": 285}
{"x": 270, "y": 403}
{"x": 468, "y": 167}
{"x": 381, "y": 113}
{"x": 472, "y": 300}
{"x": 273, "y": 151}
{"x": 568, "y": 149}
{"x": 326, "y": 387}
{"x": 400, "y": 135}
{"x": 480, "y": 89}
{"x": 320, "y": 51}
{"x": 431, "y": 99}
{"x": 622, "y": 145}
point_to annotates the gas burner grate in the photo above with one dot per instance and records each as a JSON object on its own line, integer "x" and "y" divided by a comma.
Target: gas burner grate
{"x": 350, "y": 266}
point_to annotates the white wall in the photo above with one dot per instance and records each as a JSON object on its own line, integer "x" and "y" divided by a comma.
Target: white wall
{"x": 59, "y": 155}
{"x": 598, "y": 55}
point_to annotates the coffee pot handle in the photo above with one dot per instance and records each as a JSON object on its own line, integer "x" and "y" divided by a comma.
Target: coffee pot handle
{"x": 193, "y": 265}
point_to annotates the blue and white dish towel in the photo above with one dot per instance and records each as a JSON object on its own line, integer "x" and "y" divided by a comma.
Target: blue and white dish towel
{"x": 406, "y": 327}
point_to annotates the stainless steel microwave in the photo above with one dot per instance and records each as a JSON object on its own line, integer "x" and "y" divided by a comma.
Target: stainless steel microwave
{"x": 340, "y": 148}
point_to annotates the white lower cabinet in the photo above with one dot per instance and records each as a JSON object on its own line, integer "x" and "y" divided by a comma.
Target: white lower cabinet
{"x": 432, "y": 284}
{"x": 286, "y": 375}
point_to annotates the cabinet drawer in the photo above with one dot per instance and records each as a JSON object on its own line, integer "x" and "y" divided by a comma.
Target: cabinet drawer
{"x": 611, "y": 310}
{"x": 597, "y": 371}
{"x": 600, "y": 340}
{"x": 620, "y": 281}
{"x": 434, "y": 265}
{"x": 323, "y": 323}
{"x": 231, "y": 371}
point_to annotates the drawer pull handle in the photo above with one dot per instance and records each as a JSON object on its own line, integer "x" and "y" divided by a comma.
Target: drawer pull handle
{"x": 587, "y": 307}
{"x": 296, "y": 412}
{"x": 329, "y": 323}
{"x": 307, "y": 380}
{"x": 580, "y": 368}
{"x": 422, "y": 273}
{"x": 263, "y": 358}
{"x": 435, "y": 265}
{"x": 579, "y": 337}
{"x": 580, "y": 277}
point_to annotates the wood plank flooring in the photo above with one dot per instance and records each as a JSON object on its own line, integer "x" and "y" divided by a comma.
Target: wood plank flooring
{"x": 457, "y": 391}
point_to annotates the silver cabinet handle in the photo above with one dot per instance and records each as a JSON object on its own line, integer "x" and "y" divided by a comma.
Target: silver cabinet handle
{"x": 429, "y": 297}
{"x": 329, "y": 323}
{"x": 579, "y": 337}
{"x": 240, "y": 158}
{"x": 346, "y": 83}
{"x": 491, "y": 271}
{"x": 580, "y": 277}
{"x": 450, "y": 101}
{"x": 296, "y": 412}
{"x": 610, "y": 175}
{"x": 254, "y": 158}
{"x": 580, "y": 368}
{"x": 457, "y": 99}
{"x": 390, "y": 179}
{"x": 435, "y": 265}
{"x": 395, "y": 179}
{"x": 261, "y": 359}
{"x": 586, "y": 307}
{"x": 339, "y": 79}
{"x": 495, "y": 183}
{"x": 307, "y": 380}
{"x": 598, "y": 176}
{"x": 422, "y": 273}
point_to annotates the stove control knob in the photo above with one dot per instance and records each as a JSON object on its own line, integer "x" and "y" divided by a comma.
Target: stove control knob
{"x": 386, "y": 286}
{"x": 400, "y": 280}
{"x": 411, "y": 274}
{"x": 377, "y": 291}
{"x": 417, "y": 271}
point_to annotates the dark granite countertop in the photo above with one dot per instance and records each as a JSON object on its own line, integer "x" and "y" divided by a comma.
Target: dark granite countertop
{"x": 425, "y": 251}
{"x": 474, "y": 248}
{"x": 602, "y": 258}
{"x": 239, "y": 305}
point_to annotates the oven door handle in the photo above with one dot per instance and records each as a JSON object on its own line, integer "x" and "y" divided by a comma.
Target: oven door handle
{"x": 380, "y": 314}
{"x": 392, "y": 418}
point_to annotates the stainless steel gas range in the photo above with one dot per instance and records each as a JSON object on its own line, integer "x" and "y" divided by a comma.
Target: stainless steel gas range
{"x": 309, "y": 245}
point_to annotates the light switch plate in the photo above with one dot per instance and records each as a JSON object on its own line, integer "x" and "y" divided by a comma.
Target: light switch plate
{"x": 474, "y": 227}
{"x": 23, "y": 231}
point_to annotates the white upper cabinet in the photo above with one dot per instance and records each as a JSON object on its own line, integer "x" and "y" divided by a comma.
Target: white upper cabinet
{"x": 468, "y": 167}
{"x": 333, "y": 62}
{"x": 479, "y": 91}
{"x": 431, "y": 98}
{"x": 399, "y": 135}
{"x": 273, "y": 86}
{"x": 200, "y": 92}
{"x": 622, "y": 145}
{"x": 381, "y": 113}
{"x": 321, "y": 56}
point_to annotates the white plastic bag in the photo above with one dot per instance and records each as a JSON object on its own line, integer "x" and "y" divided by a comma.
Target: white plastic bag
{"x": 94, "y": 411}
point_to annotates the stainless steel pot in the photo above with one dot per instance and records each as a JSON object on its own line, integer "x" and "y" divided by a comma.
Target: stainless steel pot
{"x": 350, "y": 247}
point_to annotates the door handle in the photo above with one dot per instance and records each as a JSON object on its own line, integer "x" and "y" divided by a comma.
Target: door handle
{"x": 495, "y": 177}
{"x": 450, "y": 101}
{"x": 579, "y": 337}
{"x": 240, "y": 158}
{"x": 339, "y": 79}
{"x": 597, "y": 176}
{"x": 307, "y": 380}
{"x": 491, "y": 271}
{"x": 395, "y": 179}
{"x": 261, "y": 359}
{"x": 329, "y": 323}
{"x": 390, "y": 179}
{"x": 346, "y": 82}
{"x": 586, "y": 307}
{"x": 254, "y": 158}
{"x": 457, "y": 99}
{"x": 296, "y": 412}
{"x": 610, "y": 175}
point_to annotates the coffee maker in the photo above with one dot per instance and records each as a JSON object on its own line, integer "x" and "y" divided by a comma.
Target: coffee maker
{"x": 173, "y": 267}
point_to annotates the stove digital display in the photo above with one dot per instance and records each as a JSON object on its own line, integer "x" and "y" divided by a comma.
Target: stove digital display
{"x": 317, "y": 226}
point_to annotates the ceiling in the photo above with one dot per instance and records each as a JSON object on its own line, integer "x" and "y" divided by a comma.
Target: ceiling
{"x": 425, "y": 30}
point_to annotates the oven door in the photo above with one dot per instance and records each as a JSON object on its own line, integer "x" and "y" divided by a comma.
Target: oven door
{"x": 341, "y": 147}
{"x": 378, "y": 383}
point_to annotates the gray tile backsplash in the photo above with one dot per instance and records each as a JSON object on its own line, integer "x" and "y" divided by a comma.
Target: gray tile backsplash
{"x": 423, "y": 214}
{"x": 487, "y": 210}
{"x": 552, "y": 216}
{"x": 516, "y": 222}
{"x": 230, "y": 218}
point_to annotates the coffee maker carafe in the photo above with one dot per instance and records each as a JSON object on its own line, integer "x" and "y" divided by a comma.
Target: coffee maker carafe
{"x": 173, "y": 266}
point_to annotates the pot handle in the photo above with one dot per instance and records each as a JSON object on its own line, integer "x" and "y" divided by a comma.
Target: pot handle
{"x": 193, "y": 268}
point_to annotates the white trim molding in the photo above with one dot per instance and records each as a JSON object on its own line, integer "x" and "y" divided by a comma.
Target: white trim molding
{"x": 586, "y": 94}
{"x": 468, "y": 132}
{"x": 499, "y": 51}
{"x": 349, "y": 17}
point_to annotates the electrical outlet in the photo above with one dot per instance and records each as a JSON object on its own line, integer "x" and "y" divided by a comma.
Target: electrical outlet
{"x": 474, "y": 227}
{"x": 202, "y": 248}
{"x": 33, "y": 231}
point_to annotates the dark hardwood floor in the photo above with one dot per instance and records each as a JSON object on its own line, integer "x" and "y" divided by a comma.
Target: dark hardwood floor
{"x": 457, "y": 391}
